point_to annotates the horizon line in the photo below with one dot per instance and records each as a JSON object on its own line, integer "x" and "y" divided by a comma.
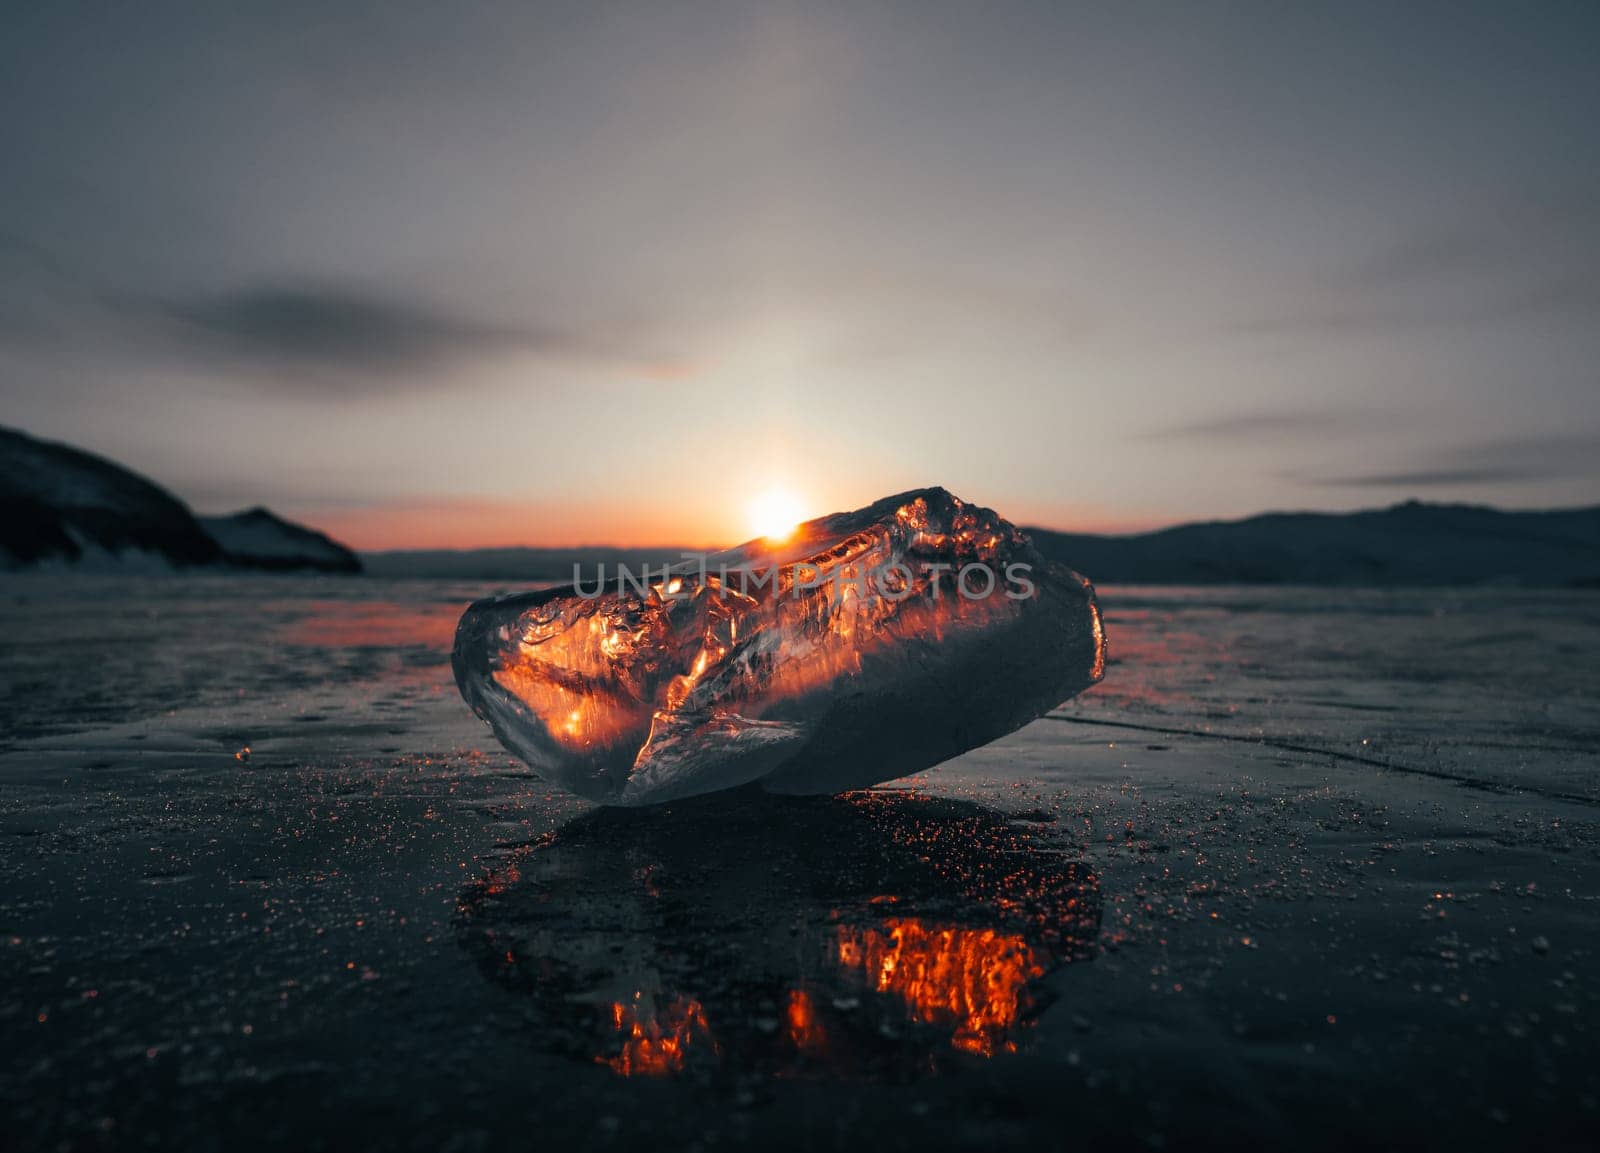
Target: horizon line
{"x": 1026, "y": 528}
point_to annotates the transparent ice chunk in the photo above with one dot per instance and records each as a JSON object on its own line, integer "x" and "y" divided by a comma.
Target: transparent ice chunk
{"x": 863, "y": 647}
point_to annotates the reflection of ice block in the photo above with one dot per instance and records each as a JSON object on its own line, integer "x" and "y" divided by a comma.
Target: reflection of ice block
{"x": 865, "y": 646}
{"x": 920, "y": 933}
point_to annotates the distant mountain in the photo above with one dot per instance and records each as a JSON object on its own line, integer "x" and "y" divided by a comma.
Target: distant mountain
{"x": 1408, "y": 544}
{"x": 257, "y": 538}
{"x": 61, "y": 504}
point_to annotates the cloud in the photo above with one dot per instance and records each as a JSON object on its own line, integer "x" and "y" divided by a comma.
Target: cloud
{"x": 1549, "y": 297}
{"x": 305, "y": 336}
{"x": 310, "y": 323}
{"x": 339, "y": 328}
{"x": 1247, "y": 425}
{"x": 40, "y": 296}
{"x": 1511, "y": 460}
{"x": 1507, "y": 238}
{"x": 1431, "y": 478}
{"x": 1532, "y": 261}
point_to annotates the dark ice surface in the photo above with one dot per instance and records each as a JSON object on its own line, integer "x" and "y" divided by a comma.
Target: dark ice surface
{"x": 1309, "y": 868}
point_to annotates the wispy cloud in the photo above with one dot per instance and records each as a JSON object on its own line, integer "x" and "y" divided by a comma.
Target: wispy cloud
{"x": 1512, "y": 460}
{"x": 1282, "y": 423}
{"x": 341, "y": 328}
{"x": 309, "y": 335}
{"x": 1523, "y": 261}
{"x": 1441, "y": 478}
{"x": 39, "y": 294}
{"x": 332, "y": 339}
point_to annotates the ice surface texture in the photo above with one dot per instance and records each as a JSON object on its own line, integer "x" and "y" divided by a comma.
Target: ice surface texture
{"x": 861, "y": 648}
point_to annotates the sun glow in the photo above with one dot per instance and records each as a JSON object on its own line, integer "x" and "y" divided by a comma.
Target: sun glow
{"x": 774, "y": 514}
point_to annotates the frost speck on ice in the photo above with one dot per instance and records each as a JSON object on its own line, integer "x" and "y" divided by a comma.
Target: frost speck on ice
{"x": 870, "y": 645}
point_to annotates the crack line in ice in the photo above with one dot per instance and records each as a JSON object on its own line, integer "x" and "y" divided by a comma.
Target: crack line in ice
{"x": 1486, "y": 785}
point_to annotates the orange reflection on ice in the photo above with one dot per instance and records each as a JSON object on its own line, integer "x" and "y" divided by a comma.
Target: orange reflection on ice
{"x": 657, "y": 1042}
{"x": 1098, "y": 672}
{"x": 1162, "y": 663}
{"x": 805, "y": 1031}
{"x": 340, "y": 624}
{"x": 577, "y": 719}
{"x": 972, "y": 979}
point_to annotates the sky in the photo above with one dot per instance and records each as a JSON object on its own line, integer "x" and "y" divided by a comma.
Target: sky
{"x": 471, "y": 274}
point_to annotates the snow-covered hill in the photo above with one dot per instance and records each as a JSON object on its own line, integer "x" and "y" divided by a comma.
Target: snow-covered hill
{"x": 61, "y": 505}
{"x": 260, "y": 539}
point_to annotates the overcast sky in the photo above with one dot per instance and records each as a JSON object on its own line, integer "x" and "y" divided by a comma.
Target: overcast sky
{"x": 496, "y": 273}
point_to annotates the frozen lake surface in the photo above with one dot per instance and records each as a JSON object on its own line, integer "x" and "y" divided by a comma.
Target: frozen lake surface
{"x": 1310, "y": 865}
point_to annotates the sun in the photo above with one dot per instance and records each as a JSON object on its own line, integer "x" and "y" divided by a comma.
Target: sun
{"x": 774, "y": 514}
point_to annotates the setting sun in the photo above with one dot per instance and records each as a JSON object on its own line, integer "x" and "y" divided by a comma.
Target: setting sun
{"x": 774, "y": 514}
